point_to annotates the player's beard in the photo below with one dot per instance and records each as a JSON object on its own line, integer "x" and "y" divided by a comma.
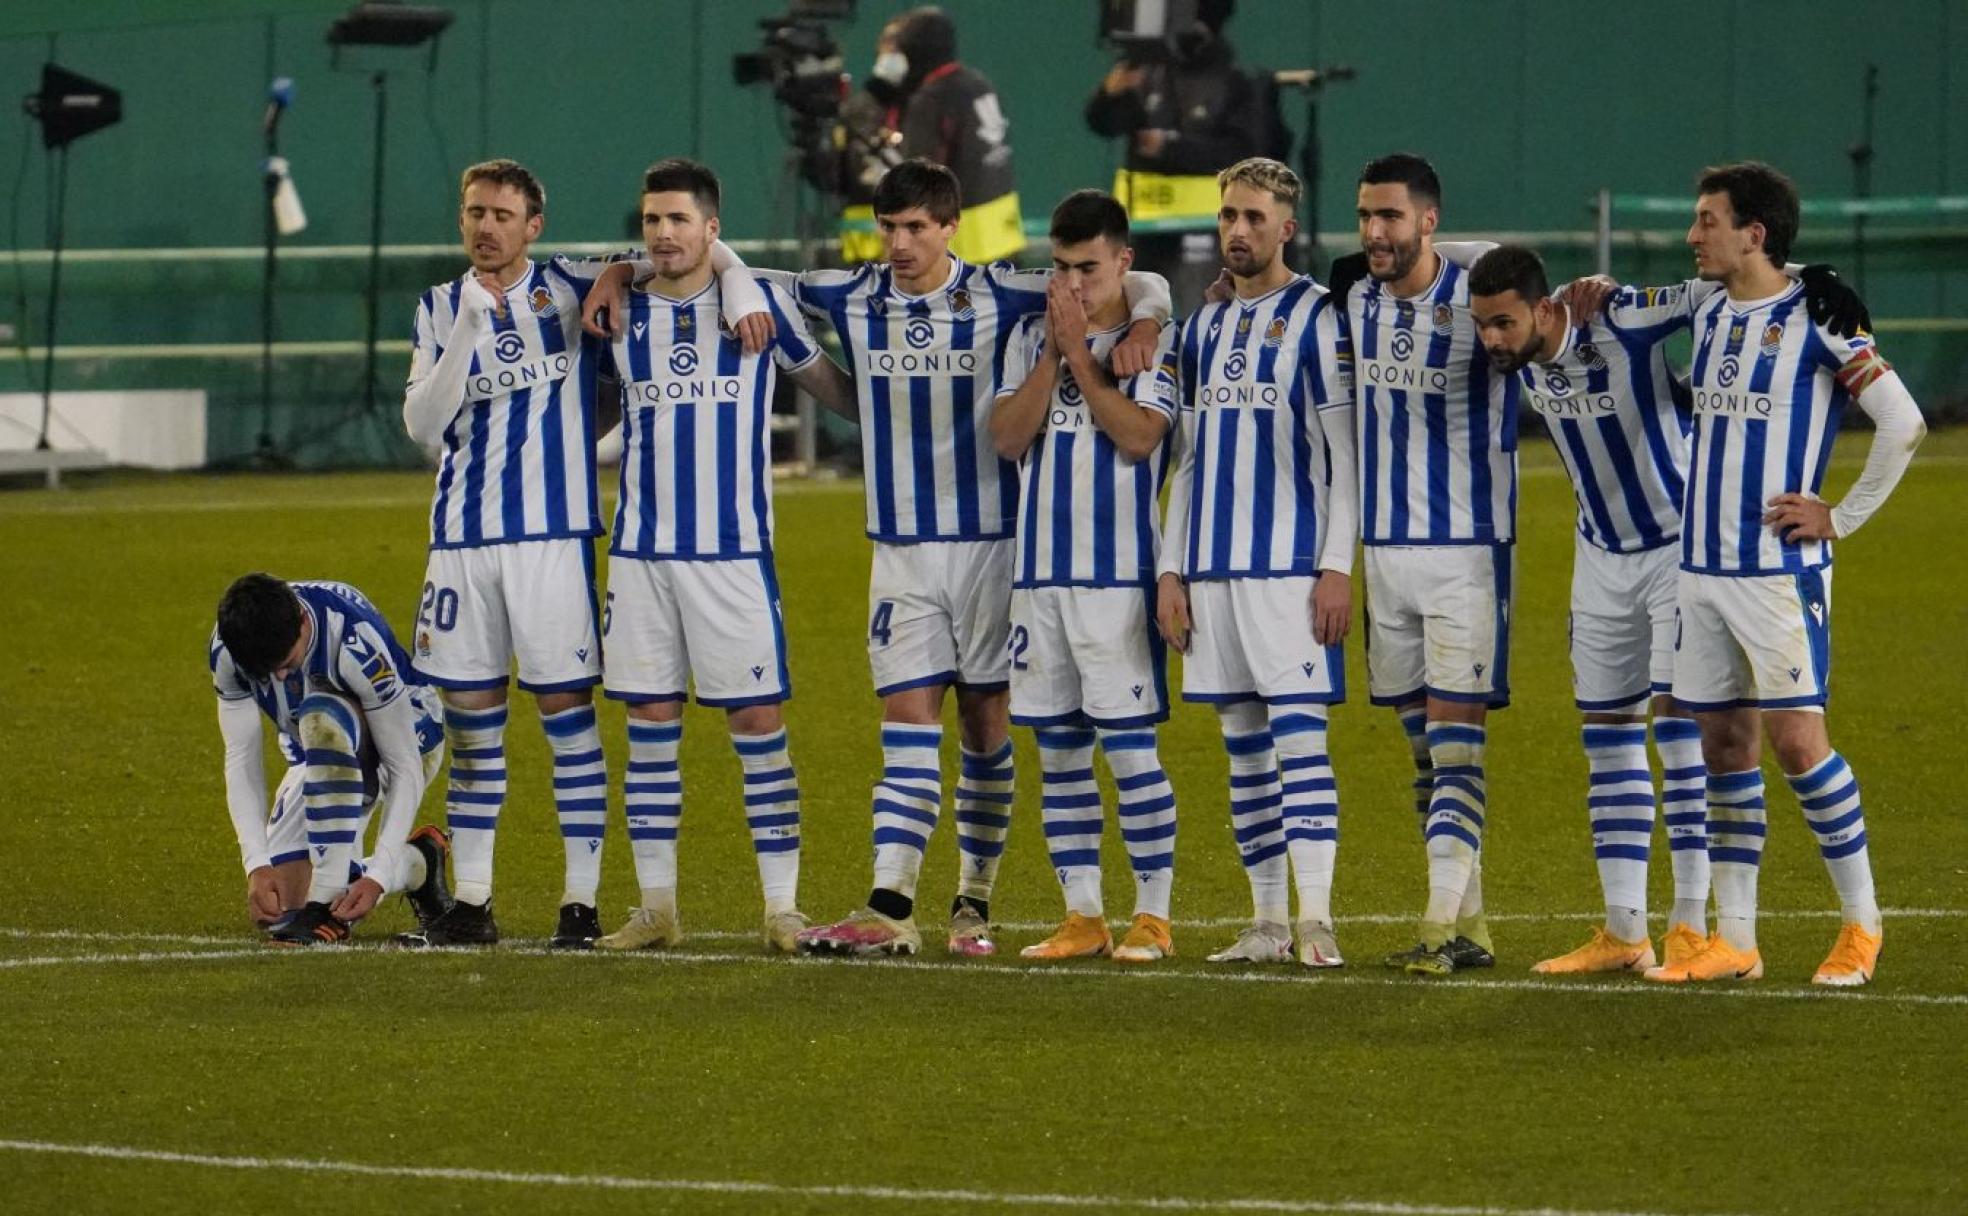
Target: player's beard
{"x": 1405, "y": 257}
{"x": 1510, "y": 361}
{"x": 1246, "y": 265}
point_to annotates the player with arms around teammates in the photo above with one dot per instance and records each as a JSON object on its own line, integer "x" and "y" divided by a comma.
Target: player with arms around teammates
{"x": 692, "y": 591}
{"x": 357, "y": 730}
{"x": 1086, "y": 662}
{"x": 924, "y": 334}
{"x": 502, "y": 387}
{"x": 1255, "y": 581}
{"x": 1438, "y": 494}
{"x": 1753, "y": 653}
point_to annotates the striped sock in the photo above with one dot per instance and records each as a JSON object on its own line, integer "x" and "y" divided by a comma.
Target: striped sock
{"x": 1069, "y": 811}
{"x": 772, "y": 811}
{"x": 1257, "y": 818}
{"x": 652, "y": 796}
{"x": 1455, "y": 820}
{"x": 1147, "y": 814}
{"x": 476, "y": 739}
{"x": 1311, "y": 805}
{"x": 1829, "y": 793}
{"x": 1414, "y": 724}
{"x": 1736, "y": 821}
{"x": 1684, "y": 785}
{"x": 1620, "y": 805}
{"x": 983, "y": 810}
{"x": 331, "y": 793}
{"x": 580, "y": 786}
{"x": 907, "y": 800}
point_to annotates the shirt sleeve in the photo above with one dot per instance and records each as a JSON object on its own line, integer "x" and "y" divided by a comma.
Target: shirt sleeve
{"x": 1655, "y": 311}
{"x": 1175, "y": 523}
{"x": 365, "y": 666}
{"x": 1155, "y": 389}
{"x": 1021, "y": 355}
{"x": 245, "y": 780}
{"x": 793, "y": 344}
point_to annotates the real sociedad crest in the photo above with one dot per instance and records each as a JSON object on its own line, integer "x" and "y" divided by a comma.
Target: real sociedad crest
{"x": 1589, "y": 355}
{"x": 543, "y": 302}
{"x": 960, "y": 307}
{"x": 1772, "y": 340}
{"x": 1274, "y": 333}
{"x": 1445, "y": 319}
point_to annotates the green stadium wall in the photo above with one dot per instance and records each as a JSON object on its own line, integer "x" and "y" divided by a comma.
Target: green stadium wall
{"x": 1525, "y": 108}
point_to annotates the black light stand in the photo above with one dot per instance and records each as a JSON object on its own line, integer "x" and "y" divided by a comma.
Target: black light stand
{"x": 68, "y": 107}
{"x": 376, "y": 23}
{"x": 279, "y": 96}
{"x": 1313, "y": 82}
{"x": 1861, "y": 157}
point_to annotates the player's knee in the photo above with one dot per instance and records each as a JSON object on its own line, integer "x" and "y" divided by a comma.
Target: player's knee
{"x": 1243, "y": 717}
{"x": 326, "y": 723}
{"x": 754, "y": 720}
{"x": 1799, "y": 740}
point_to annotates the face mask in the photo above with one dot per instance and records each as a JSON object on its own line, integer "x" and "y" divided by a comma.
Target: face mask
{"x": 891, "y": 67}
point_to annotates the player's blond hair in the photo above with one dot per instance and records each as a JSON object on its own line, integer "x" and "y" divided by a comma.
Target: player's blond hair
{"x": 507, "y": 173}
{"x": 1262, "y": 173}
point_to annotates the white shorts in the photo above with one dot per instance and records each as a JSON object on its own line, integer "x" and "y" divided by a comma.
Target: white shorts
{"x": 939, "y": 612}
{"x": 1088, "y": 654}
{"x": 1758, "y": 640}
{"x": 1250, "y": 639}
{"x": 531, "y": 600}
{"x": 287, "y": 816}
{"x": 667, "y": 622}
{"x": 1622, "y": 625}
{"x": 1438, "y": 623}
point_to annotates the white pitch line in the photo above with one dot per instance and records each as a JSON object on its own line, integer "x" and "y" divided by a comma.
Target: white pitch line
{"x": 1016, "y": 926}
{"x": 148, "y": 956}
{"x": 738, "y": 1186}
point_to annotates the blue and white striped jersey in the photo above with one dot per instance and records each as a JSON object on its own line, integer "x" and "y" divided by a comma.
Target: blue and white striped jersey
{"x": 696, "y": 426}
{"x": 1619, "y": 419}
{"x": 518, "y": 459}
{"x": 1087, "y": 515}
{"x": 1769, "y": 388}
{"x": 926, "y": 369}
{"x": 354, "y": 654}
{"x": 1437, "y": 427}
{"x": 1255, "y": 377}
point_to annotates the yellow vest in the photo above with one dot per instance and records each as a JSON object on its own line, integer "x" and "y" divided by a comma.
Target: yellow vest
{"x": 985, "y": 233}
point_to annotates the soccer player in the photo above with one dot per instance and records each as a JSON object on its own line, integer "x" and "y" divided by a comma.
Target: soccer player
{"x": 692, "y": 593}
{"x": 502, "y": 385}
{"x": 358, "y": 731}
{"x": 1620, "y": 422}
{"x": 1086, "y": 661}
{"x": 1255, "y": 583}
{"x": 1754, "y": 649}
{"x": 1438, "y": 490}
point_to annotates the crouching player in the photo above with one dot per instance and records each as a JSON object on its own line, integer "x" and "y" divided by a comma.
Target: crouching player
{"x": 320, "y": 661}
{"x": 1086, "y": 661}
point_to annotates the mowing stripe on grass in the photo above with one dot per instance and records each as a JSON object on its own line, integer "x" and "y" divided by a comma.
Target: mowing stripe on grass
{"x": 740, "y": 1186}
{"x": 148, "y": 956}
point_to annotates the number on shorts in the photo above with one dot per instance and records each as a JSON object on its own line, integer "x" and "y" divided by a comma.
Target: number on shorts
{"x": 878, "y": 628}
{"x": 1017, "y": 644}
{"x": 607, "y": 612}
{"x": 439, "y": 608}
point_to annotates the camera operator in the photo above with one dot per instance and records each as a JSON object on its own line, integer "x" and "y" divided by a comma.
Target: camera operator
{"x": 1187, "y": 111}
{"x": 925, "y": 103}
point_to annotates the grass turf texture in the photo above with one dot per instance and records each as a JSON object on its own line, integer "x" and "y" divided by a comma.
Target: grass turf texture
{"x": 1078, "y": 1082}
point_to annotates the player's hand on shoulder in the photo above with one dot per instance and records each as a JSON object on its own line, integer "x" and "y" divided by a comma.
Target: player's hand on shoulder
{"x": 1172, "y": 612}
{"x": 756, "y": 331}
{"x": 1221, "y": 289}
{"x": 606, "y": 301}
{"x": 1832, "y": 303}
{"x": 1346, "y": 270}
{"x": 1587, "y": 297}
{"x": 359, "y": 900}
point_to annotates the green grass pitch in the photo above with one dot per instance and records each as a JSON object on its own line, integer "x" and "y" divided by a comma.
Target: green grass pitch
{"x": 138, "y": 1015}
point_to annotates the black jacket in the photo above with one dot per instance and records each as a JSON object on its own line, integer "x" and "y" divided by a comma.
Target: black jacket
{"x": 1213, "y": 108}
